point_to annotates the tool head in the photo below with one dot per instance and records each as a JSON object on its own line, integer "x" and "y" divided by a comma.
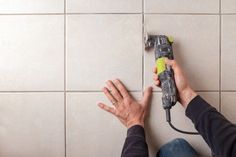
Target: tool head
{"x": 149, "y": 41}
{"x": 153, "y": 40}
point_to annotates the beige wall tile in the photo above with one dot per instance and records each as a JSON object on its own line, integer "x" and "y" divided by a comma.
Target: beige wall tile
{"x": 228, "y": 101}
{"x": 32, "y": 55}
{"x": 228, "y": 75}
{"x": 181, "y": 6}
{"x": 159, "y": 132}
{"x": 228, "y": 6}
{"x": 32, "y": 124}
{"x": 196, "y": 47}
{"x": 102, "y": 47}
{"x": 28, "y": 6}
{"x": 104, "y": 6}
{"x": 91, "y": 131}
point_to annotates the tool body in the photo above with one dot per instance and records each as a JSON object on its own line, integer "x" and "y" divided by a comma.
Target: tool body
{"x": 163, "y": 49}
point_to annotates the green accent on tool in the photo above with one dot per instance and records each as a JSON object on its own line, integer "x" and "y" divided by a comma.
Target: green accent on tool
{"x": 161, "y": 65}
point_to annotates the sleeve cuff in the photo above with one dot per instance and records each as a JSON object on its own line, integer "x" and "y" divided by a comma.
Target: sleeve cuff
{"x": 136, "y": 130}
{"x": 196, "y": 108}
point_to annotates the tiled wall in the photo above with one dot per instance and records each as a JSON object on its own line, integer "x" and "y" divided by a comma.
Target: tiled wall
{"x": 55, "y": 56}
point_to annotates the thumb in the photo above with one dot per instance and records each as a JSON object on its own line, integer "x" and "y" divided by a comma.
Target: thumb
{"x": 147, "y": 95}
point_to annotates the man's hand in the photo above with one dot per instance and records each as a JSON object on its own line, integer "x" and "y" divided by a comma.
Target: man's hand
{"x": 185, "y": 92}
{"x": 129, "y": 111}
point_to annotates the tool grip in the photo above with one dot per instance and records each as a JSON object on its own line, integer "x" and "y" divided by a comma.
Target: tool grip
{"x": 168, "y": 86}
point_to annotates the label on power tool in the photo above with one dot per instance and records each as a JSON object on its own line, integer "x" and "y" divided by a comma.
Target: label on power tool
{"x": 161, "y": 65}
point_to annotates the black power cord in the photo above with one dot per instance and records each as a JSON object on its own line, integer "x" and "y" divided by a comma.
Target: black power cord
{"x": 168, "y": 119}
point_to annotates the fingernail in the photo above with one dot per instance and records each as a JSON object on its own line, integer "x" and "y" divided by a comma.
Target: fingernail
{"x": 104, "y": 89}
{"x": 100, "y": 105}
{"x": 108, "y": 82}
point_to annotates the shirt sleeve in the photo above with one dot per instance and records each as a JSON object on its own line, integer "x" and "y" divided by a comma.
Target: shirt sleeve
{"x": 217, "y": 131}
{"x": 135, "y": 144}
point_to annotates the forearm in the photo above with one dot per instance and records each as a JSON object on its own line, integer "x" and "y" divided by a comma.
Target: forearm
{"x": 217, "y": 131}
{"x": 135, "y": 144}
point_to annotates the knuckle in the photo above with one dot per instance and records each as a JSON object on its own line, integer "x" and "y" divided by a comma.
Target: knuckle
{"x": 118, "y": 97}
{"x": 129, "y": 101}
{"x": 174, "y": 63}
{"x": 122, "y": 90}
{"x": 116, "y": 94}
{"x": 106, "y": 108}
{"x": 120, "y": 108}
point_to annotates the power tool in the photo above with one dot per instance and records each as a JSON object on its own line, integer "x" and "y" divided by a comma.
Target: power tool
{"x": 163, "y": 49}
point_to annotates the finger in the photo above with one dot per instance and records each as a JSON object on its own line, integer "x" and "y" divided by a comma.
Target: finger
{"x": 107, "y": 108}
{"x": 155, "y": 77}
{"x": 109, "y": 95}
{"x": 157, "y": 83}
{"x": 172, "y": 63}
{"x": 177, "y": 70}
{"x": 156, "y": 80}
{"x": 147, "y": 96}
{"x": 123, "y": 91}
{"x": 154, "y": 70}
{"x": 114, "y": 90}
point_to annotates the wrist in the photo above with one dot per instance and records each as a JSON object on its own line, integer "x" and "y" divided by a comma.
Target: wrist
{"x": 132, "y": 123}
{"x": 186, "y": 96}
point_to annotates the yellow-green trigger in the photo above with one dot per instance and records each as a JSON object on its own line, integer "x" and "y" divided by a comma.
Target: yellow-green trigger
{"x": 170, "y": 39}
{"x": 161, "y": 65}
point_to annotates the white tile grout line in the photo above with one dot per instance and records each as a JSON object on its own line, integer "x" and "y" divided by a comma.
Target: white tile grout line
{"x": 65, "y": 98}
{"x": 220, "y": 55}
{"x": 143, "y": 46}
{"x": 26, "y": 92}
{"x": 99, "y": 91}
{"x": 9, "y": 14}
